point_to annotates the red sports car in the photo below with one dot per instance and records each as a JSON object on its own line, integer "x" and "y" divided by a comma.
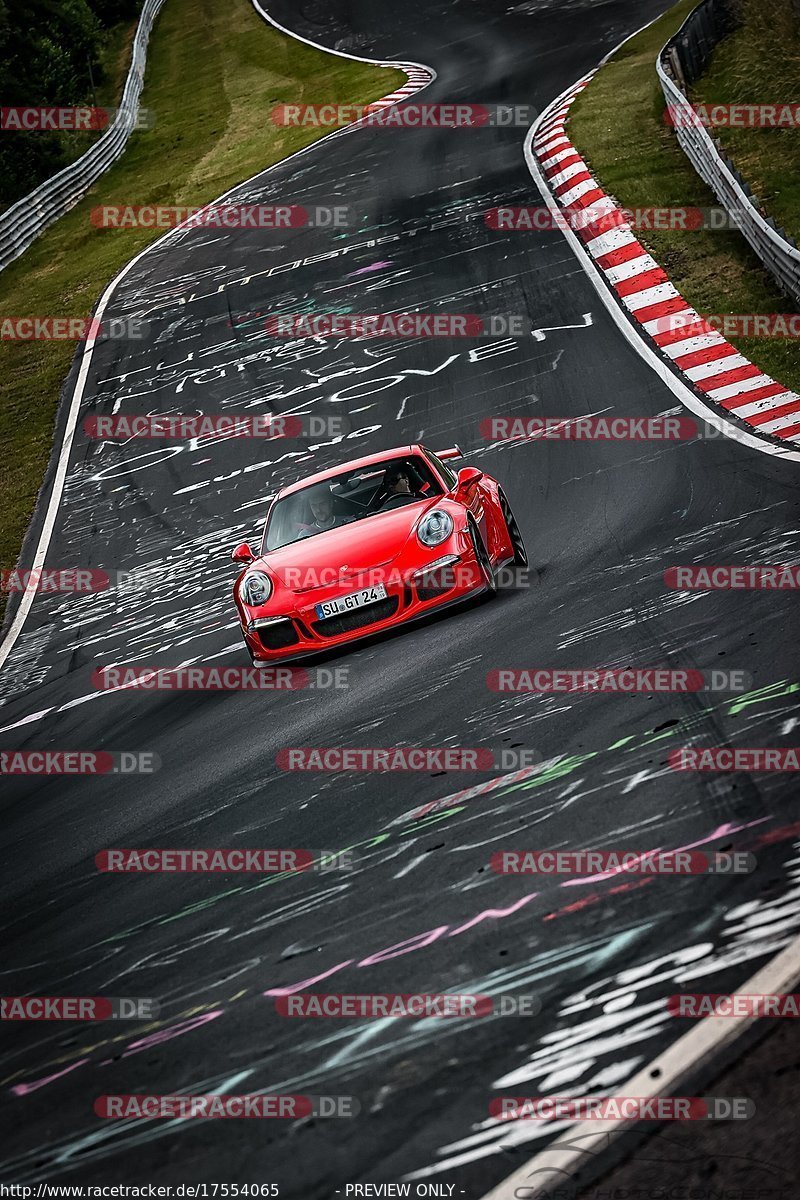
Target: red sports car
{"x": 358, "y": 549}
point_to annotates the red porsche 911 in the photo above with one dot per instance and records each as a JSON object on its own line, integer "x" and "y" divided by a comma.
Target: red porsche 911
{"x": 376, "y": 543}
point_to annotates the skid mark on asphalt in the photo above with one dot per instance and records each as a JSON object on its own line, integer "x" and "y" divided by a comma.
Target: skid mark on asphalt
{"x": 234, "y": 370}
{"x": 466, "y": 812}
{"x": 615, "y": 1014}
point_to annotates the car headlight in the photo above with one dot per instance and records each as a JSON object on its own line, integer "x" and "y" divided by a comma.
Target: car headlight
{"x": 435, "y": 528}
{"x": 256, "y": 588}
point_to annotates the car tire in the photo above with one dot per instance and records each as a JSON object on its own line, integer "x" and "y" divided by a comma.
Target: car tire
{"x": 482, "y": 558}
{"x": 514, "y": 533}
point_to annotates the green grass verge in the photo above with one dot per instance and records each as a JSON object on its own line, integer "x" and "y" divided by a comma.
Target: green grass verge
{"x": 214, "y": 73}
{"x": 617, "y": 123}
{"x": 760, "y": 64}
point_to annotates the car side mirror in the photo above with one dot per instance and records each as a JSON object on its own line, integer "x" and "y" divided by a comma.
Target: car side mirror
{"x": 242, "y": 553}
{"x": 468, "y": 479}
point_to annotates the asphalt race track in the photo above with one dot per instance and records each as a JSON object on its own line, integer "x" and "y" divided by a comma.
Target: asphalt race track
{"x": 420, "y": 911}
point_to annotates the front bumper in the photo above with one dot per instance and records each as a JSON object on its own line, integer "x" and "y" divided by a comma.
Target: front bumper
{"x": 298, "y": 631}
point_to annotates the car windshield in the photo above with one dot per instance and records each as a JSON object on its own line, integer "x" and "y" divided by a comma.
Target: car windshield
{"x": 351, "y": 496}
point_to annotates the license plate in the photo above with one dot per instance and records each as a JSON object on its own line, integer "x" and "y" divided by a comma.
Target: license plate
{"x": 344, "y": 604}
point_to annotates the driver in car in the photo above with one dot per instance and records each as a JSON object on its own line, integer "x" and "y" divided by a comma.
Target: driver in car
{"x": 322, "y": 512}
{"x": 397, "y": 484}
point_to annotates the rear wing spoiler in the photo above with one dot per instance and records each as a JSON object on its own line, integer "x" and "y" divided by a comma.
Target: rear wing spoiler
{"x": 451, "y": 452}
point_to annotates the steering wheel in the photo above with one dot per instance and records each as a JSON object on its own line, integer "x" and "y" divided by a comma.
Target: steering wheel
{"x": 397, "y": 502}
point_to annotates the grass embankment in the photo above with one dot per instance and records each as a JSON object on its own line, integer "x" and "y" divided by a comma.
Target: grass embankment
{"x": 214, "y": 73}
{"x": 759, "y": 63}
{"x": 617, "y": 123}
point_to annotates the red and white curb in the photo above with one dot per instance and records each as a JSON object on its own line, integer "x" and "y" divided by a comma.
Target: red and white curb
{"x": 418, "y": 78}
{"x": 712, "y": 367}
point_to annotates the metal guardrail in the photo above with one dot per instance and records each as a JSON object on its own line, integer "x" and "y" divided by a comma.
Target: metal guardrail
{"x": 24, "y": 221}
{"x": 679, "y": 64}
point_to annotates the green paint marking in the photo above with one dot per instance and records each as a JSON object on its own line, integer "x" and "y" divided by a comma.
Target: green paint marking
{"x": 771, "y": 692}
{"x": 432, "y": 818}
{"x": 559, "y": 769}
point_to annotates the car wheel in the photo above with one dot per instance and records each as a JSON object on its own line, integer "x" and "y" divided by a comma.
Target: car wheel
{"x": 482, "y": 559}
{"x": 514, "y": 533}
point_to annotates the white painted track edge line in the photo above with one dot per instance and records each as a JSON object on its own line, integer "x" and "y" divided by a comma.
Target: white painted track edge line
{"x": 693, "y": 1051}
{"x": 375, "y": 62}
{"x": 636, "y": 339}
{"x": 54, "y": 499}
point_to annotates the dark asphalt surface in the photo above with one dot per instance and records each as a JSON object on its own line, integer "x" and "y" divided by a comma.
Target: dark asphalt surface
{"x": 421, "y": 910}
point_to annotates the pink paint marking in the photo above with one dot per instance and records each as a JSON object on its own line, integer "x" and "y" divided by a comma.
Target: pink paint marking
{"x": 372, "y": 267}
{"x": 489, "y": 913}
{"x": 723, "y": 831}
{"x": 23, "y": 1089}
{"x": 298, "y": 987}
{"x": 417, "y": 942}
{"x": 594, "y": 898}
{"x": 404, "y": 947}
{"x": 166, "y": 1035}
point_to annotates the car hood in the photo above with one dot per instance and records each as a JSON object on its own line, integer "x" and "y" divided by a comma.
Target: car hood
{"x": 374, "y": 541}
